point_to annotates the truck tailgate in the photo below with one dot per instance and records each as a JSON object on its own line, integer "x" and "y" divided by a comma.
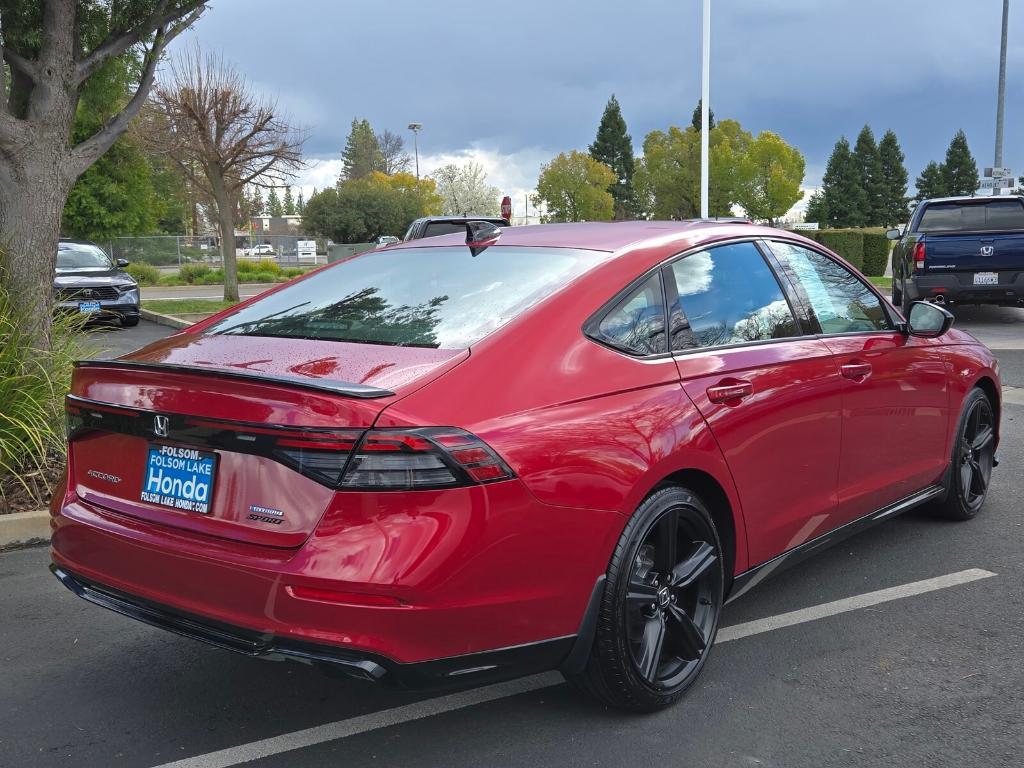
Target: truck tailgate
{"x": 974, "y": 252}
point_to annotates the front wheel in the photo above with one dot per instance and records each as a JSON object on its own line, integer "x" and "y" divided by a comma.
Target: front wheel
{"x": 659, "y": 612}
{"x": 972, "y": 460}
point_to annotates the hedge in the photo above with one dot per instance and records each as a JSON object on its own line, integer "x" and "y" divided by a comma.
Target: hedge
{"x": 876, "y": 254}
{"x": 848, "y": 243}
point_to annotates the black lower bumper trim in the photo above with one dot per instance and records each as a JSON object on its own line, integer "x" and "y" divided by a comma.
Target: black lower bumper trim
{"x": 469, "y": 669}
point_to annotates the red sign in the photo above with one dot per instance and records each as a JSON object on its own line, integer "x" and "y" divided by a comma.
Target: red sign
{"x": 506, "y": 207}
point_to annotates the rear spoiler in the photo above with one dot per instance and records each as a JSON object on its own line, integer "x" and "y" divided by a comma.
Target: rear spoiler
{"x": 346, "y": 388}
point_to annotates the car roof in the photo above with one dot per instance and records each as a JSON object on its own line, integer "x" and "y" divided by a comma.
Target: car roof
{"x": 606, "y": 235}
{"x": 972, "y": 198}
{"x": 469, "y": 217}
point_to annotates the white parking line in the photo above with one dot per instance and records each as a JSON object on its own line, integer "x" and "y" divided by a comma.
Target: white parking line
{"x": 341, "y": 729}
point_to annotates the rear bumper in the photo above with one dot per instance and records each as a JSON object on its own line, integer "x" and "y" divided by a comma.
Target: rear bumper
{"x": 442, "y": 578}
{"x": 958, "y": 287}
{"x": 470, "y": 668}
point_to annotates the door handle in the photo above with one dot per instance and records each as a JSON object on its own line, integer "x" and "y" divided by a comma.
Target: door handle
{"x": 730, "y": 390}
{"x": 856, "y": 371}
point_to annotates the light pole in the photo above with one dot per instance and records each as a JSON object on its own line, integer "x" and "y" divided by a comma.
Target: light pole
{"x": 705, "y": 106}
{"x": 416, "y": 128}
{"x": 1002, "y": 88}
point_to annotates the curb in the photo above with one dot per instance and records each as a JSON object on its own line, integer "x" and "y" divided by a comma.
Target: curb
{"x": 21, "y": 528}
{"x": 169, "y": 320}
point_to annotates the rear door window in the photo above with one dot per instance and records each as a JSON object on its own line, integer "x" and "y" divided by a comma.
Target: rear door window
{"x": 838, "y": 300}
{"x": 726, "y": 295}
{"x": 443, "y": 298}
{"x": 636, "y": 324}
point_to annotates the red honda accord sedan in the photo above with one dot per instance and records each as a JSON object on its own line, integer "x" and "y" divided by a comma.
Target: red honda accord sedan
{"x": 476, "y": 456}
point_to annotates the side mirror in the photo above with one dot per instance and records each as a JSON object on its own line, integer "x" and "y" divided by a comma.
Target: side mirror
{"x": 894, "y": 234}
{"x": 928, "y": 320}
{"x": 123, "y": 262}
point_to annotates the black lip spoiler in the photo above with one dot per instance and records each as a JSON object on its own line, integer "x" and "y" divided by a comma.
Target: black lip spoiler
{"x": 346, "y": 388}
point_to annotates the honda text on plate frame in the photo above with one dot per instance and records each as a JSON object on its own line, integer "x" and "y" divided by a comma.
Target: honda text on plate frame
{"x": 565, "y": 449}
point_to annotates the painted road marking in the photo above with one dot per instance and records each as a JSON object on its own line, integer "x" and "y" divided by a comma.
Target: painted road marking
{"x": 341, "y": 729}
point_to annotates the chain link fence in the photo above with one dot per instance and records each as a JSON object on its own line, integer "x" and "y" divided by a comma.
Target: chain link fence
{"x": 171, "y": 251}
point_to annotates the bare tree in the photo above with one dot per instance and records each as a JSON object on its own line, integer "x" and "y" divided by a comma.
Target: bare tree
{"x": 223, "y": 137}
{"x": 394, "y": 158}
{"x": 45, "y": 48}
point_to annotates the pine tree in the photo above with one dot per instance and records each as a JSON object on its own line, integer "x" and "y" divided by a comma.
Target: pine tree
{"x": 695, "y": 118}
{"x": 894, "y": 179}
{"x": 845, "y": 199}
{"x": 613, "y": 146}
{"x": 960, "y": 172}
{"x": 289, "y": 202}
{"x": 931, "y": 182}
{"x": 817, "y": 210}
{"x": 258, "y": 206}
{"x": 869, "y": 164}
{"x": 300, "y": 204}
{"x": 361, "y": 155}
{"x": 274, "y": 207}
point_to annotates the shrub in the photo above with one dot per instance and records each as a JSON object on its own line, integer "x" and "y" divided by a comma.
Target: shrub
{"x": 263, "y": 265}
{"x": 193, "y": 273}
{"x": 848, "y": 243}
{"x": 290, "y": 272}
{"x": 144, "y": 274}
{"x": 263, "y": 277}
{"x": 211, "y": 277}
{"x": 876, "y": 253}
{"x": 33, "y": 383}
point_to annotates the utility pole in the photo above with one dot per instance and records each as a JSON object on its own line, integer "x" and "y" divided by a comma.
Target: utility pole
{"x": 705, "y": 106}
{"x": 416, "y": 128}
{"x": 1002, "y": 87}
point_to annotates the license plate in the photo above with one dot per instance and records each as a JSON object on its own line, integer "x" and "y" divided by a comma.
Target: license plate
{"x": 88, "y": 306}
{"x": 179, "y": 478}
{"x": 986, "y": 278}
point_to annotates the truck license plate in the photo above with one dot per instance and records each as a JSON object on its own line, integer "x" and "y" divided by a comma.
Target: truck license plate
{"x": 986, "y": 278}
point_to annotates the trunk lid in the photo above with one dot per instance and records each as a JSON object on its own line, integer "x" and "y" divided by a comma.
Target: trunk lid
{"x": 237, "y": 437}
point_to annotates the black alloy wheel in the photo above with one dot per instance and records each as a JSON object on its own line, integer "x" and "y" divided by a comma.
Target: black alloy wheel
{"x": 973, "y": 459}
{"x": 661, "y": 605}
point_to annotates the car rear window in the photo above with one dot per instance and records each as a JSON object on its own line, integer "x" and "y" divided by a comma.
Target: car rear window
{"x": 435, "y": 228}
{"x": 990, "y": 215}
{"x": 443, "y": 298}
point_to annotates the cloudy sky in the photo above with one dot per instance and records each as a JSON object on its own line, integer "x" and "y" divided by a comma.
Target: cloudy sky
{"x": 511, "y": 88}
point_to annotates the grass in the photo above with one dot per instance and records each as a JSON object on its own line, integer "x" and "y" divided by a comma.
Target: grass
{"x": 882, "y": 282}
{"x": 185, "y": 306}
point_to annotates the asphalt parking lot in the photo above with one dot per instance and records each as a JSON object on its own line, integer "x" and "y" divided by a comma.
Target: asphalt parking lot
{"x": 926, "y": 675}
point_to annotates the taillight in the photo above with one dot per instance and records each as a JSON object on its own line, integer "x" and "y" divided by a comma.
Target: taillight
{"x": 919, "y": 255}
{"x": 433, "y": 457}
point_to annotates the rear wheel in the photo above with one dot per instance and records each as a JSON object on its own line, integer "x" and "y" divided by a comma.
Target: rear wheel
{"x": 972, "y": 460}
{"x": 659, "y": 612}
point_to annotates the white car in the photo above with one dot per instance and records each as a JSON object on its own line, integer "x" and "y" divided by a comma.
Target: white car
{"x": 260, "y": 250}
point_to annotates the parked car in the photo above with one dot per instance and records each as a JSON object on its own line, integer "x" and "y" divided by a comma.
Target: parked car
{"x": 260, "y": 250}
{"x": 385, "y": 240}
{"x": 87, "y": 281}
{"x": 963, "y": 250}
{"x": 431, "y": 226}
{"x": 476, "y": 456}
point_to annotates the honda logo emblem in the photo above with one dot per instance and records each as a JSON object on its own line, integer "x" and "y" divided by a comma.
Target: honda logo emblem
{"x": 160, "y": 424}
{"x": 988, "y": 250}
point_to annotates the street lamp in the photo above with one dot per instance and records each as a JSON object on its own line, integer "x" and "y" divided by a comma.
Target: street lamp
{"x": 416, "y": 128}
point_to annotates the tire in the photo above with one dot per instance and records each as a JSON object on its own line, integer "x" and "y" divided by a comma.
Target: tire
{"x": 971, "y": 460}
{"x": 897, "y": 293}
{"x": 129, "y": 322}
{"x": 657, "y": 622}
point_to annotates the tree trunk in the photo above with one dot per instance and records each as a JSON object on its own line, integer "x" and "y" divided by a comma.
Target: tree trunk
{"x": 226, "y": 221}
{"x": 33, "y": 190}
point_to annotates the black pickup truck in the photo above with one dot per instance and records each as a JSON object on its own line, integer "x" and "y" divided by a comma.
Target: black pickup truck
{"x": 961, "y": 250}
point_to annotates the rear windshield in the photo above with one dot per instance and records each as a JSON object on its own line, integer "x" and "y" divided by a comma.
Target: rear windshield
{"x": 991, "y": 215}
{"x": 417, "y": 297}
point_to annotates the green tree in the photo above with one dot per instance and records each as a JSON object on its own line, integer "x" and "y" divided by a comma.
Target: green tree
{"x": 289, "y": 201}
{"x": 364, "y": 209}
{"x": 894, "y": 181}
{"x": 768, "y": 177}
{"x": 300, "y": 203}
{"x": 845, "y": 199}
{"x": 960, "y": 172}
{"x": 817, "y": 210}
{"x": 931, "y": 182}
{"x": 256, "y": 202}
{"x": 362, "y": 154}
{"x": 49, "y": 53}
{"x": 574, "y": 187}
{"x": 274, "y": 205}
{"x": 613, "y": 146}
{"x": 695, "y": 118}
{"x": 869, "y": 163}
